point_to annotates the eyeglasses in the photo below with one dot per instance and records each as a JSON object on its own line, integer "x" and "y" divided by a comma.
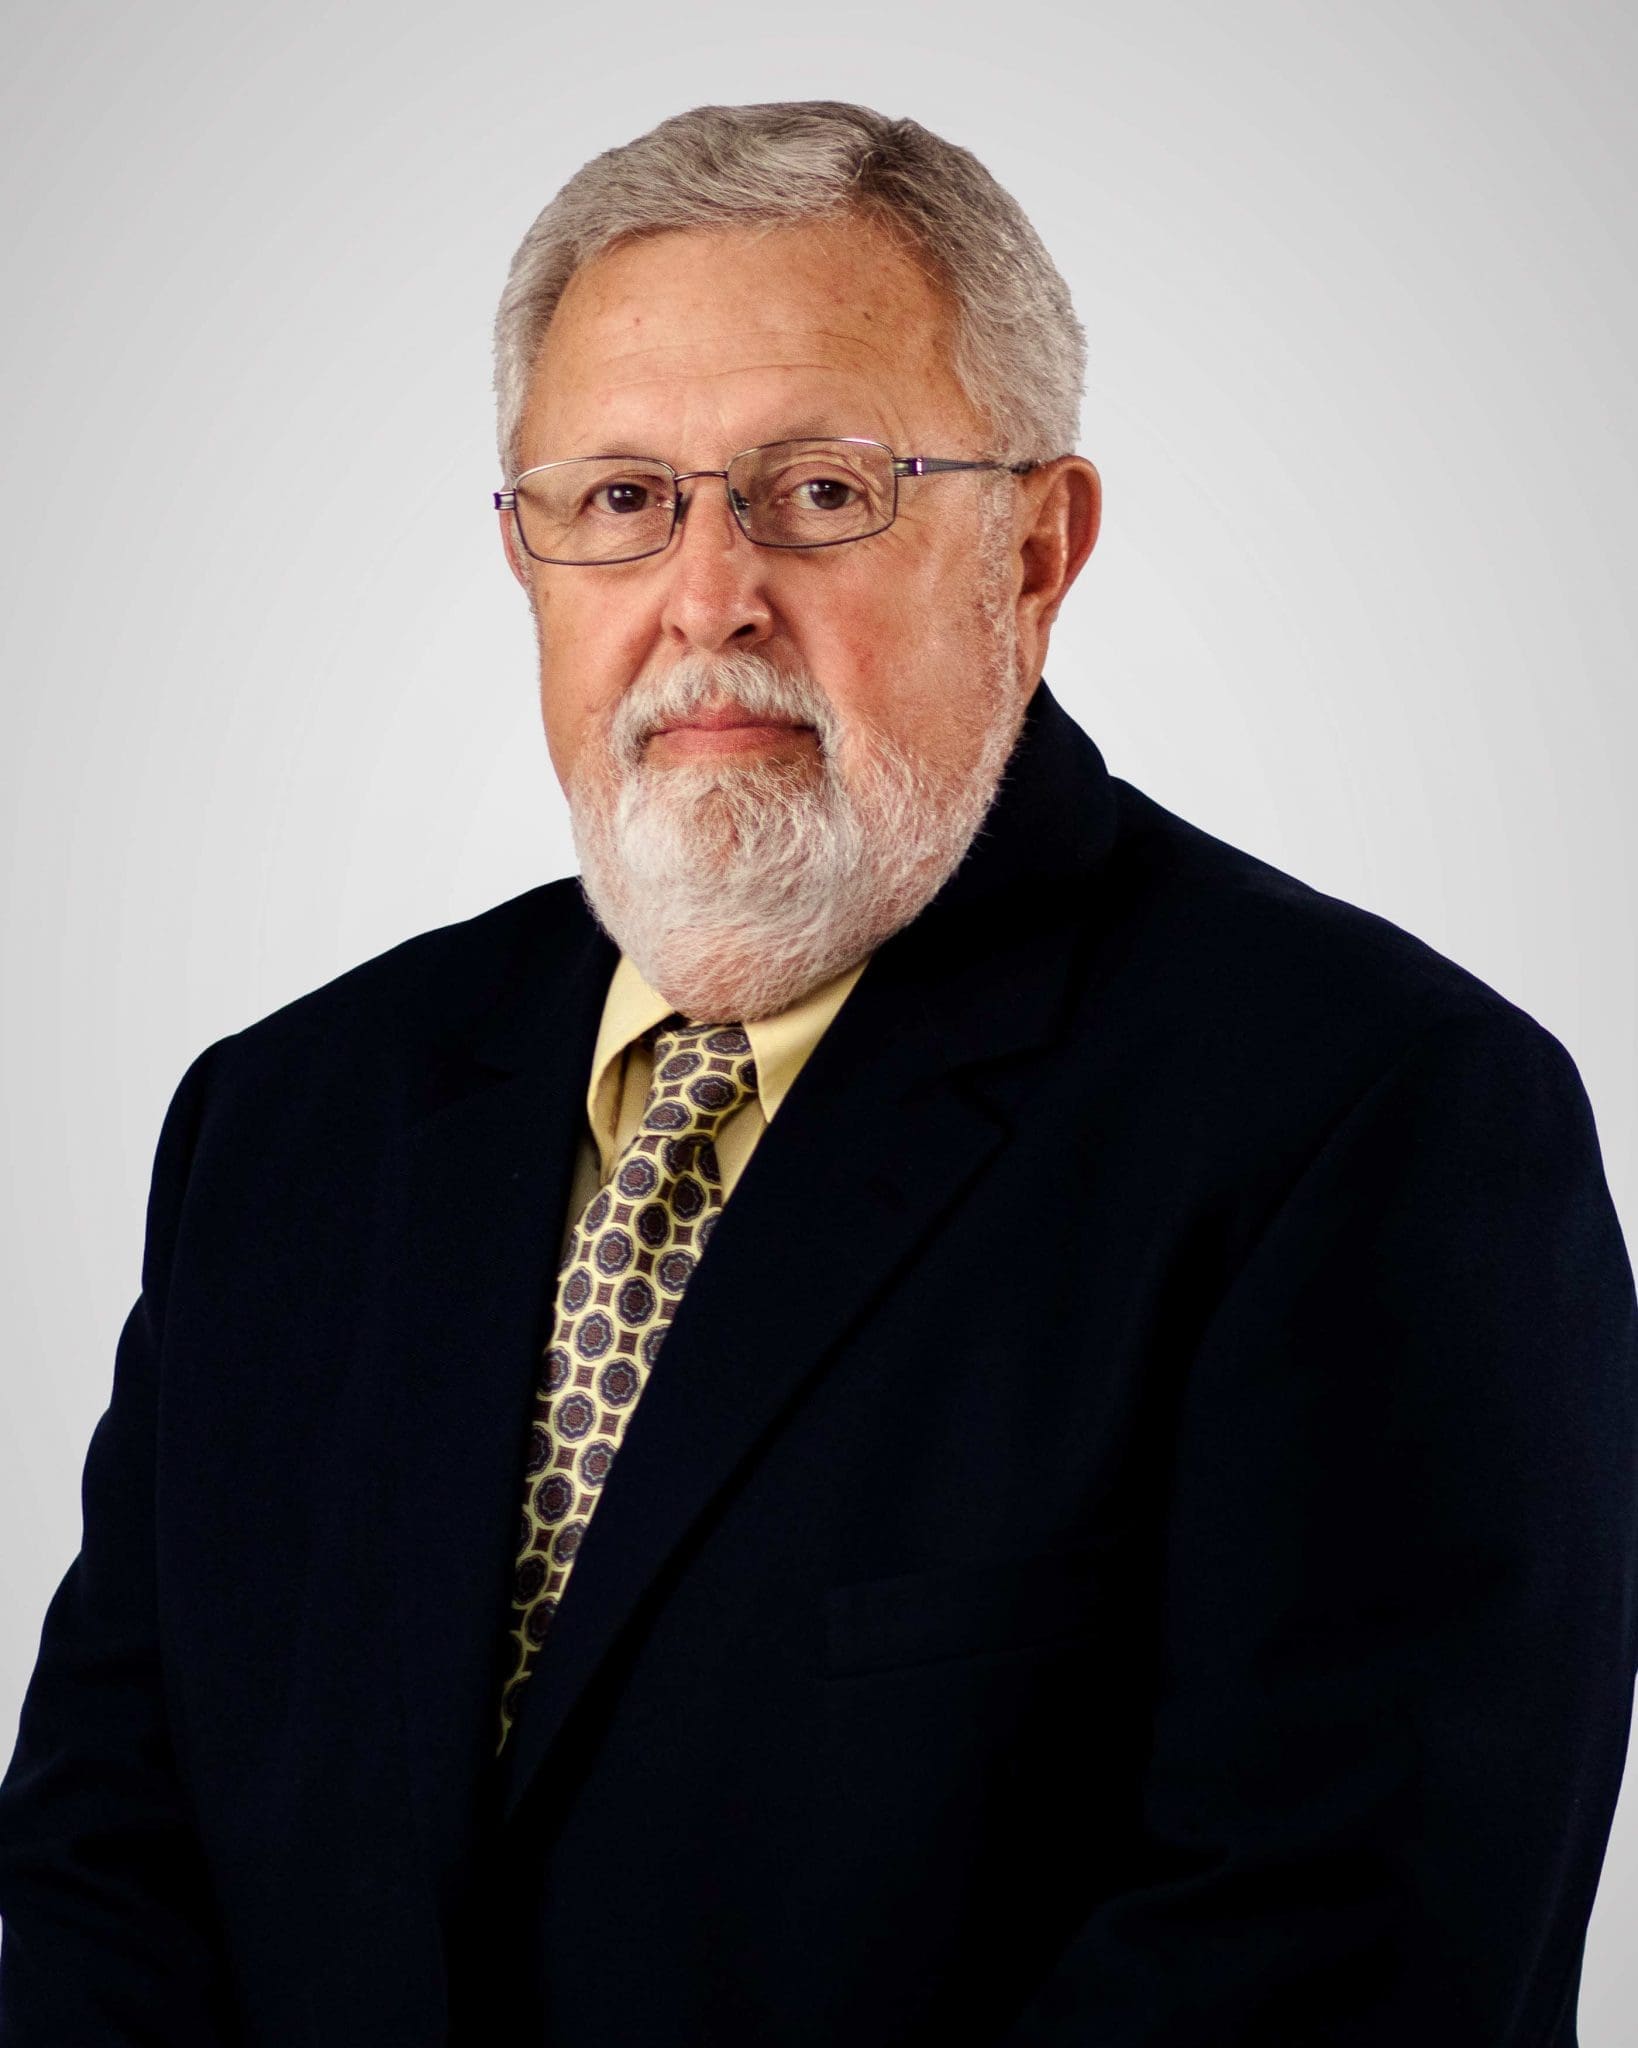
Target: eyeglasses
{"x": 596, "y": 509}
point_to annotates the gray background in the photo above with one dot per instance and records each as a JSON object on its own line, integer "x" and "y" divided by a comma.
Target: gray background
{"x": 1359, "y": 287}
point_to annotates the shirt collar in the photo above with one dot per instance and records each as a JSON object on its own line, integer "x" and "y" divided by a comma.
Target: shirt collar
{"x": 779, "y": 1044}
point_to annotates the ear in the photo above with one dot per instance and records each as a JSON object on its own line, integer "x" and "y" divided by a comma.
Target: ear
{"x": 515, "y": 557}
{"x": 1060, "y": 512}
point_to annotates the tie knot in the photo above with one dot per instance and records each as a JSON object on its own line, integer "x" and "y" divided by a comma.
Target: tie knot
{"x": 702, "y": 1074}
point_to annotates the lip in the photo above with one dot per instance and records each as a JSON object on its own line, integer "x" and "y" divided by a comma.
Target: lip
{"x": 728, "y": 719}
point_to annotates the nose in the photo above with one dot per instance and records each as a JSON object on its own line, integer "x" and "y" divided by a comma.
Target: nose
{"x": 716, "y": 595}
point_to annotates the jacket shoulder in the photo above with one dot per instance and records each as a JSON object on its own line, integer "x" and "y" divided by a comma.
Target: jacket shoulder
{"x": 426, "y": 988}
{"x": 1257, "y": 958}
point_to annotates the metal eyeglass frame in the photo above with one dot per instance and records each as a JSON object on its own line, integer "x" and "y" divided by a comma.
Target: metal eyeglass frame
{"x": 903, "y": 465}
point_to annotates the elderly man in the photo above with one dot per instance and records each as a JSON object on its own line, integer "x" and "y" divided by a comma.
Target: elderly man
{"x": 931, "y": 1408}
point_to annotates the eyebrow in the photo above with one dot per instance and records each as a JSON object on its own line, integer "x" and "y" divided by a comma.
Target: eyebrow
{"x": 812, "y": 427}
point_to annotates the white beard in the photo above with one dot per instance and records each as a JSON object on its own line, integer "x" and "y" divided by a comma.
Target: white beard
{"x": 737, "y": 887}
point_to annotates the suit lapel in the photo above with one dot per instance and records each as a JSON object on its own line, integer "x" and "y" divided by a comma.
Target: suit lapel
{"x": 886, "y": 1126}
{"x": 471, "y": 1268}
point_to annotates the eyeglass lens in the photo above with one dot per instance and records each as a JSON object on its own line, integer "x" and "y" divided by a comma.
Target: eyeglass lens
{"x": 793, "y": 494}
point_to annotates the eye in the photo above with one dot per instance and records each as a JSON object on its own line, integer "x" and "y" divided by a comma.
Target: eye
{"x": 622, "y": 496}
{"x": 823, "y": 493}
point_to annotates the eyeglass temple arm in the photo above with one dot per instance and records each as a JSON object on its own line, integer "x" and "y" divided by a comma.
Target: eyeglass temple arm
{"x": 931, "y": 465}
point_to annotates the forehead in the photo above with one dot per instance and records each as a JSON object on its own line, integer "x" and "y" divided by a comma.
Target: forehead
{"x": 809, "y": 327}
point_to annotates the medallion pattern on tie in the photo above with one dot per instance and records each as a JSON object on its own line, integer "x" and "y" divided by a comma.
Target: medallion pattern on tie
{"x": 629, "y": 1259}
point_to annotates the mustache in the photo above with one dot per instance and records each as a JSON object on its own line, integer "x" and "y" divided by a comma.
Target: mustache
{"x": 748, "y": 682}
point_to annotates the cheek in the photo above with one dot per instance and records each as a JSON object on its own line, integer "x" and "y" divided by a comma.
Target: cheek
{"x": 586, "y": 661}
{"x": 927, "y": 672}
{"x": 905, "y": 655}
{"x": 865, "y": 641}
{"x": 856, "y": 664}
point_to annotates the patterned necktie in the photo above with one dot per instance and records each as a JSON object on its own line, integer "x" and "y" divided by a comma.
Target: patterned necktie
{"x": 629, "y": 1259}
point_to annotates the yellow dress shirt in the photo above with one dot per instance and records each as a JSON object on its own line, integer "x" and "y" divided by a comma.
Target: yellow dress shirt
{"x": 621, "y": 1070}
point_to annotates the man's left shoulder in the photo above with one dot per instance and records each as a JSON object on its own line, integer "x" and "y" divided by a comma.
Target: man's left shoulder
{"x": 1270, "y": 982}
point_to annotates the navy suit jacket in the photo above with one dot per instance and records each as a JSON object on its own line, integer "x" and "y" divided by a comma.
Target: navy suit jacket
{"x": 1131, "y": 1539}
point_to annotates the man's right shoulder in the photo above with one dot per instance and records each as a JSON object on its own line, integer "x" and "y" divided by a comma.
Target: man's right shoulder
{"x": 398, "y": 1007}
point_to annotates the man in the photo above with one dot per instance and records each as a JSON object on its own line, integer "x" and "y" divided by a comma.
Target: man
{"x": 934, "y": 1408}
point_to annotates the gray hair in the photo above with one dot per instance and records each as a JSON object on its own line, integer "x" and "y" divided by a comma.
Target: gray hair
{"x": 1020, "y": 352}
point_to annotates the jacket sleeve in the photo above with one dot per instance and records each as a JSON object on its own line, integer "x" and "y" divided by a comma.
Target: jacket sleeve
{"x": 108, "y": 1937}
{"x": 1397, "y": 1633}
